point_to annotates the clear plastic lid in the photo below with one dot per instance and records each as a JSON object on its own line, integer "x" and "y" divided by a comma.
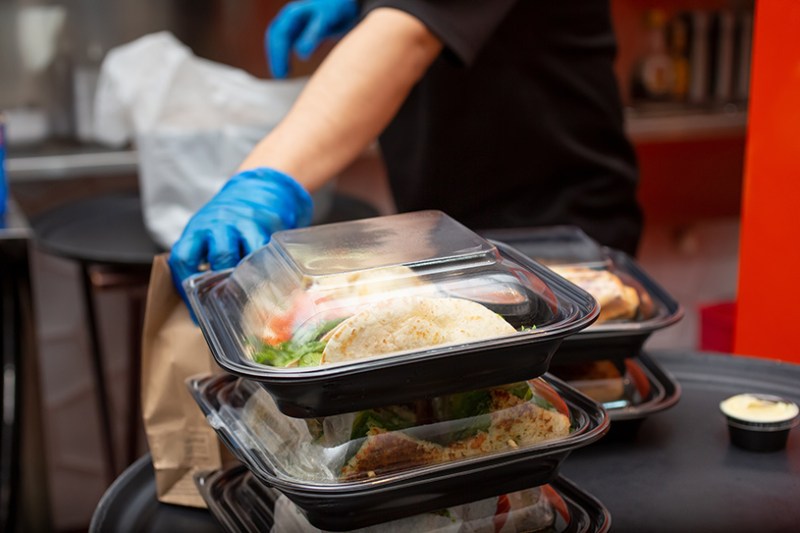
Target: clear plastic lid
{"x": 374, "y": 445}
{"x": 379, "y": 288}
{"x": 628, "y": 298}
{"x": 622, "y": 298}
{"x": 554, "y": 245}
{"x": 243, "y": 504}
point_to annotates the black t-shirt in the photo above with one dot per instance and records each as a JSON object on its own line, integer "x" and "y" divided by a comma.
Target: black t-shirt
{"x": 518, "y": 122}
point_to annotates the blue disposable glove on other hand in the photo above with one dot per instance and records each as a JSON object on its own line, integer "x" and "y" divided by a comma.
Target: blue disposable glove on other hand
{"x": 302, "y": 26}
{"x": 239, "y": 219}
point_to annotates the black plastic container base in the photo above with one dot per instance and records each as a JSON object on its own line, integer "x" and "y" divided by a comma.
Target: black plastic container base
{"x": 758, "y": 441}
{"x": 345, "y": 513}
{"x": 616, "y": 340}
{"x": 346, "y": 393}
{"x": 622, "y": 430}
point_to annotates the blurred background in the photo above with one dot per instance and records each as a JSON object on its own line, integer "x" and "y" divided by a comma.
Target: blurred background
{"x": 683, "y": 70}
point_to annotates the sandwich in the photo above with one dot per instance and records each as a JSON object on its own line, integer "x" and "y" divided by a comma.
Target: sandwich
{"x": 618, "y": 301}
{"x": 382, "y": 327}
{"x": 452, "y": 427}
{"x": 383, "y": 440}
{"x": 411, "y": 323}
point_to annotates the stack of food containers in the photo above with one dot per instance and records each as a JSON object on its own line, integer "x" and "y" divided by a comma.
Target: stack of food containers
{"x": 388, "y": 368}
{"x": 606, "y": 361}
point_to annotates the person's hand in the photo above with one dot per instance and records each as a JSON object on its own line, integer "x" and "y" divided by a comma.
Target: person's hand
{"x": 302, "y": 26}
{"x": 239, "y": 219}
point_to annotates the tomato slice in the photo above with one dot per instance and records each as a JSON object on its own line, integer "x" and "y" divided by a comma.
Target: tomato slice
{"x": 547, "y": 392}
{"x": 279, "y": 327}
{"x": 639, "y": 378}
{"x": 556, "y": 501}
{"x": 501, "y": 513}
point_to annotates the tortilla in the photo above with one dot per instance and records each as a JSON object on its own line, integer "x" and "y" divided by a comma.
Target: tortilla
{"x": 274, "y": 316}
{"x": 412, "y": 323}
{"x": 365, "y": 283}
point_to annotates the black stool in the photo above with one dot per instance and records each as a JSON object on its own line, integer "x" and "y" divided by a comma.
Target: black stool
{"x": 106, "y": 236}
{"x": 130, "y": 506}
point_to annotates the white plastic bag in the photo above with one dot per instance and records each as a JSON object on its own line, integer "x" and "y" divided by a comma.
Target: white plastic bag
{"x": 193, "y": 121}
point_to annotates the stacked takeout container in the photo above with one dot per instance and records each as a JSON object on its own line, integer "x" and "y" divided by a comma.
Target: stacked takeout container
{"x": 606, "y": 361}
{"x": 388, "y": 373}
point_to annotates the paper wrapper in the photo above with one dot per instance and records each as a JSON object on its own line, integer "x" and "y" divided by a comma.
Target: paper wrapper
{"x": 173, "y": 349}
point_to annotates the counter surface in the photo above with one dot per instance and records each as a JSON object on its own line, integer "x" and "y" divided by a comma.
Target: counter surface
{"x": 680, "y": 473}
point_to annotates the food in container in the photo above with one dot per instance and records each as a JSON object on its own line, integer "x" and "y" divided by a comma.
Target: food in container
{"x": 759, "y": 422}
{"x": 409, "y": 323}
{"x": 388, "y": 462}
{"x": 618, "y": 300}
{"x": 632, "y": 304}
{"x": 384, "y": 440}
{"x": 527, "y": 510}
{"x": 602, "y": 380}
{"x": 470, "y": 424}
{"x": 361, "y": 306}
{"x": 244, "y": 505}
{"x": 629, "y": 389}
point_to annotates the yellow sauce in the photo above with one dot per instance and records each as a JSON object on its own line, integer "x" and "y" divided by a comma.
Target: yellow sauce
{"x": 753, "y": 408}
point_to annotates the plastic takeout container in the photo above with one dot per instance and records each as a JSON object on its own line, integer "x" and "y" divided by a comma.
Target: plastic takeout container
{"x": 630, "y": 390}
{"x": 760, "y": 422}
{"x": 242, "y": 504}
{"x": 358, "y": 469}
{"x": 633, "y": 305}
{"x": 341, "y": 317}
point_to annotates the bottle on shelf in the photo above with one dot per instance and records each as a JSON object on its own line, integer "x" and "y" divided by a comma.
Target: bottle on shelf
{"x": 654, "y": 75}
{"x": 679, "y": 52}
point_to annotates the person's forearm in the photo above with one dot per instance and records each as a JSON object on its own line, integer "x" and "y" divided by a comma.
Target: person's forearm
{"x": 350, "y": 99}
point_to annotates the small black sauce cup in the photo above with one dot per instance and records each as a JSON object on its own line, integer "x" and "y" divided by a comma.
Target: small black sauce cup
{"x": 761, "y": 436}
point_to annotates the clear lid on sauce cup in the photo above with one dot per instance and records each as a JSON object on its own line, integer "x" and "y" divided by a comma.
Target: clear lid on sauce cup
{"x": 360, "y": 305}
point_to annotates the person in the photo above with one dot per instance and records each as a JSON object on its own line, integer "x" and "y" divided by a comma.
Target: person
{"x": 501, "y": 113}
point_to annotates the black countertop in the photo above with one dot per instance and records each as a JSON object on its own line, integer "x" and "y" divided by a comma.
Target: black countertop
{"x": 680, "y": 472}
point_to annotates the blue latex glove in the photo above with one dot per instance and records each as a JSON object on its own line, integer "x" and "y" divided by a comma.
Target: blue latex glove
{"x": 302, "y": 26}
{"x": 239, "y": 219}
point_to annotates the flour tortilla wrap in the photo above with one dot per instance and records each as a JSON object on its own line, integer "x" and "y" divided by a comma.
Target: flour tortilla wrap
{"x": 411, "y": 323}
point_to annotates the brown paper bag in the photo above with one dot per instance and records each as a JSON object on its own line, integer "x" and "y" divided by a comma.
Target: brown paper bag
{"x": 173, "y": 349}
